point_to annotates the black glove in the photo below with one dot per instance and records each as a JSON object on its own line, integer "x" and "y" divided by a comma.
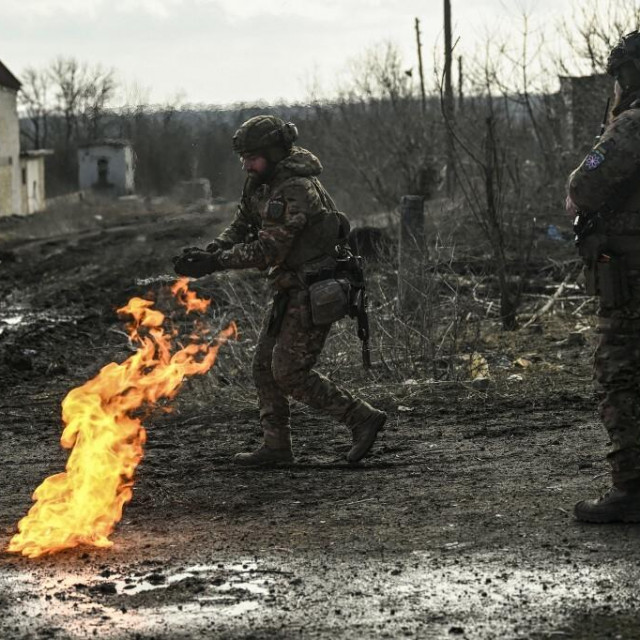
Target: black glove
{"x": 197, "y": 263}
{"x": 191, "y": 250}
{"x": 214, "y": 246}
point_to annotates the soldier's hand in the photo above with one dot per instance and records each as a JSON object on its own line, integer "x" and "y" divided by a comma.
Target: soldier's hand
{"x": 197, "y": 263}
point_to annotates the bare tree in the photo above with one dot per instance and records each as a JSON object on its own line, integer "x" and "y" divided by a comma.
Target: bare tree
{"x": 595, "y": 27}
{"x": 82, "y": 93}
{"x": 65, "y": 103}
{"x": 99, "y": 87}
{"x": 500, "y": 169}
{"x": 33, "y": 100}
{"x": 377, "y": 128}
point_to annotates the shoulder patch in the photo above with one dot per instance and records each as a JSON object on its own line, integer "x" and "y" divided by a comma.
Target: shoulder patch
{"x": 593, "y": 160}
{"x": 606, "y": 146}
{"x": 275, "y": 210}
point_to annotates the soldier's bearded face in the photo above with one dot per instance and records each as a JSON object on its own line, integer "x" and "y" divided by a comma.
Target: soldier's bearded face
{"x": 254, "y": 165}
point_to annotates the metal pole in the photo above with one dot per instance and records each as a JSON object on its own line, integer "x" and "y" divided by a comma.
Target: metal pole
{"x": 448, "y": 92}
{"x": 423, "y": 95}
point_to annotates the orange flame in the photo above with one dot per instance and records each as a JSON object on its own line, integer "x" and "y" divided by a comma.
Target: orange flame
{"x": 188, "y": 299}
{"x": 83, "y": 504}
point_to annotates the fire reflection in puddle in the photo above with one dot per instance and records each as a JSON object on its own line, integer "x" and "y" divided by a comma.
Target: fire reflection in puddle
{"x": 80, "y": 604}
{"x": 237, "y": 577}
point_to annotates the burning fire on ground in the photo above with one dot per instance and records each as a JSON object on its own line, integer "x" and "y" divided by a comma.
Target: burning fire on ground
{"x": 82, "y": 505}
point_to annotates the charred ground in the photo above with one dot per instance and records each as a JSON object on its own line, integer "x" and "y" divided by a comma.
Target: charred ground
{"x": 458, "y": 525}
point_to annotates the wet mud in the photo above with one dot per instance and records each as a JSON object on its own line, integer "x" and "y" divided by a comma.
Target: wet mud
{"x": 458, "y": 525}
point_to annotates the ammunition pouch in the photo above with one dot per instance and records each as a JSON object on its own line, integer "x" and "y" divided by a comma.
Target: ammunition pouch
{"x": 328, "y": 293}
{"x": 337, "y": 289}
{"x": 329, "y": 301}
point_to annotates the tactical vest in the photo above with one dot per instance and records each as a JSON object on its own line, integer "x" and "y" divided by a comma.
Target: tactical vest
{"x": 622, "y": 225}
{"x": 325, "y": 232}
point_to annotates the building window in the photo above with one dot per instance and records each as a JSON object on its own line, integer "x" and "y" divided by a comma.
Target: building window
{"x": 24, "y": 176}
{"x": 103, "y": 174}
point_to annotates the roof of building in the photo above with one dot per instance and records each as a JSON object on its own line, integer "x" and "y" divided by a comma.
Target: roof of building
{"x": 7, "y": 79}
{"x": 106, "y": 142}
{"x": 36, "y": 153}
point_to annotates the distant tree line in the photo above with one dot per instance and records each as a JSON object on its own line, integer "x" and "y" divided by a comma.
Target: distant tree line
{"x": 69, "y": 103}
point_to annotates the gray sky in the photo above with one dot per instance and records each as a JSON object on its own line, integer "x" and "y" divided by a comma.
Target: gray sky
{"x": 222, "y": 51}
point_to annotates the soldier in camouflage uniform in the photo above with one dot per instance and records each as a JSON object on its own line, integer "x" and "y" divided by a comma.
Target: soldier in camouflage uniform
{"x": 286, "y": 222}
{"x": 605, "y": 191}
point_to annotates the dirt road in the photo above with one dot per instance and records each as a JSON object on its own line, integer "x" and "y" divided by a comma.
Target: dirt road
{"x": 458, "y": 525}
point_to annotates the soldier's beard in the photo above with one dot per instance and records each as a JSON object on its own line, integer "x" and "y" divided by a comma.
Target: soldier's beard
{"x": 262, "y": 176}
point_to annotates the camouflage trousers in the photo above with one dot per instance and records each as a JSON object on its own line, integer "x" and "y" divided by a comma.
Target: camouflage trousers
{"x": 617, "y": 381}
{"x": 283, "y": 368}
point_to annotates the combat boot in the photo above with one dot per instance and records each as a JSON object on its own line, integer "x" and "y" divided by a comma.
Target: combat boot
{"x": 275, "y": 449}
{"x": 264, "y": 455}
{"x": 364, "y": 422}
{"x": 616, "y": 505}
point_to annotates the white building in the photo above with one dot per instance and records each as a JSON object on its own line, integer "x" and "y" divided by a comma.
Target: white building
{"x": 21, "y": 174}
{"x": 10, "y": 189}
{"x": 32, "y": 180}
{"x": 107, "y": 166}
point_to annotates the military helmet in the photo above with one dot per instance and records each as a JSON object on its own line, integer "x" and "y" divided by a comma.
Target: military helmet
{"x": 627, "y": 50}
{"x": 261, "y": 133}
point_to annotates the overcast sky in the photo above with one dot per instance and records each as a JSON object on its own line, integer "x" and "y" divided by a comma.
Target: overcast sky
{"x": 223, "y": 51}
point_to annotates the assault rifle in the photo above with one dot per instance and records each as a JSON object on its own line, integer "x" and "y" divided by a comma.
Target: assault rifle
{"x": 358, "y": 301}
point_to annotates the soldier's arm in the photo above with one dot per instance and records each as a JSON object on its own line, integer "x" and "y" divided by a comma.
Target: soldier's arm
{"x": 608, "y": 173}
{"x": 237, "y": 232}
{"x": 241, "y": 230}
{"x": 286, "y": 215}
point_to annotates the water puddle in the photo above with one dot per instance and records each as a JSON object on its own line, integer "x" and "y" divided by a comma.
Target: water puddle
{"x": 79, "y": 603}
{"x": 236, "y": 576}
{"x": 425, "y": 594}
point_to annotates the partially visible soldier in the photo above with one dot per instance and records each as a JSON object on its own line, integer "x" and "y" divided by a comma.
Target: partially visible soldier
{"x": 286, "y": 222}
{"x": 605, "y": 191}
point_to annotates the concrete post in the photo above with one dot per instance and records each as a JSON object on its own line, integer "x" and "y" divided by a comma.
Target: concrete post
{"x": 411, "y": 253}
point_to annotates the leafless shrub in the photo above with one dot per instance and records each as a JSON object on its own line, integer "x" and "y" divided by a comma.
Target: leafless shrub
{"x": 375, "y": 130}
{"x": 595, "y": 27}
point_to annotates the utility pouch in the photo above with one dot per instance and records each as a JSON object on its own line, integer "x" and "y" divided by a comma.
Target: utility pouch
{"x": 612, "y": 283}
{"x": 329, "y": 301}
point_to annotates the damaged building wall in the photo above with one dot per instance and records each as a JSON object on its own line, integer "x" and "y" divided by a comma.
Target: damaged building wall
{"x": 107, "y": 167}
{"x": 10, "y": 201}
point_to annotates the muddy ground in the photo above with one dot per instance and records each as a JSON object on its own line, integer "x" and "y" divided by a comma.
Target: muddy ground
{"x": 458, "y": 525}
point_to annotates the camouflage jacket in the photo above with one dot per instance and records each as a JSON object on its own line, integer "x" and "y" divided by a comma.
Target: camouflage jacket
{"x": 607, "y": 180}
{"x": 278, "y": 219}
